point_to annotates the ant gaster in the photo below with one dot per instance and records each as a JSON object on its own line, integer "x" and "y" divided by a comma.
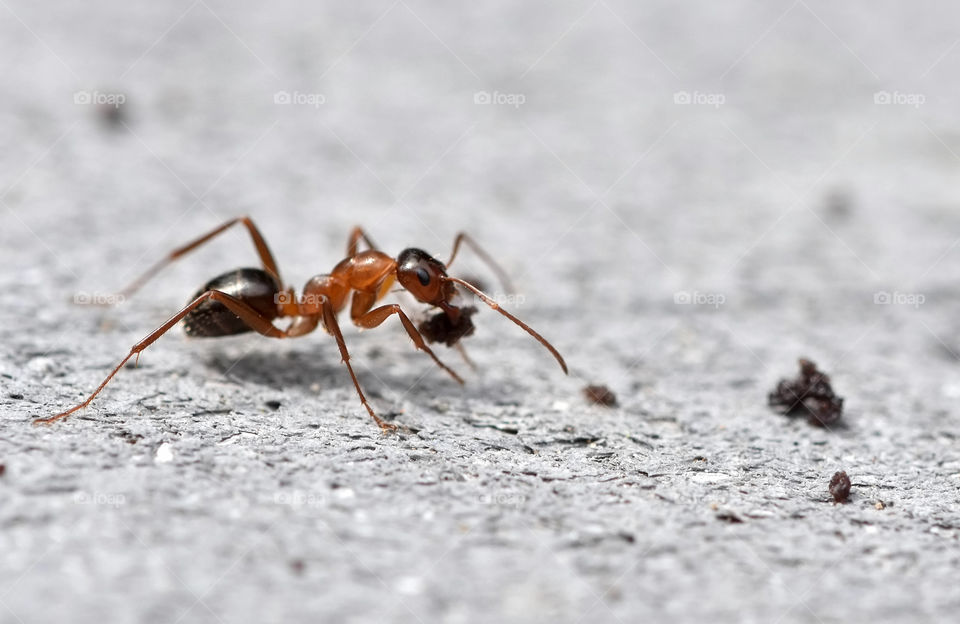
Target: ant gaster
{"x": 251, "y": 299}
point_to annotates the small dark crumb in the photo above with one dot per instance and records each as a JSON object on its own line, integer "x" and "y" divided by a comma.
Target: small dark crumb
{"x": 130, "y": 438}
{"x": 729, "y": 516}
{"x": 600, "y": 395}
{"x": 297, "y": 566}
{"x": 439, "y": 328}
{"x": 809, "y": 393}
{"x": 14, "y": 395}
{"x": 113, "y": 115}
{"x": 840, "y": 487}
{"x": 838, "y": 203}
{"x": 274, "y": 405}
{"x": 3, "y": 469}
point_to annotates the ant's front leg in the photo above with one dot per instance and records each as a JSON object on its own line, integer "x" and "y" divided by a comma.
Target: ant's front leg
{"x": 250, "y": 316}
{"x": 463, "y": 237}
{"x": 329, "y": 315}
{"x": 375, "y": 317}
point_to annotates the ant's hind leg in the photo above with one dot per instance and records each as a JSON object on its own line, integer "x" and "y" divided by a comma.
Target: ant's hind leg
{"x": 375, "y": 317}
{"x": 269, "y": 264}
{"x": 250, "y": 316}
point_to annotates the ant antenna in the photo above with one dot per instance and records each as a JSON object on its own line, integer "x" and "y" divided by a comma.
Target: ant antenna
{"x": 495, "y": 306}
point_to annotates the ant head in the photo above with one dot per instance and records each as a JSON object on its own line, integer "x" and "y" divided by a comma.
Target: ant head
{"x": 424, "y": 277}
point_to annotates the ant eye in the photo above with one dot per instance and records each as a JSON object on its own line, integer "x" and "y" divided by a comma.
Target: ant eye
{"x": 423, "y": 276}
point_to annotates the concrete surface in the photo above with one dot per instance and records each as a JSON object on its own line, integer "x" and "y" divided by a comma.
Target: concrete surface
{"x": 784, "y": 164}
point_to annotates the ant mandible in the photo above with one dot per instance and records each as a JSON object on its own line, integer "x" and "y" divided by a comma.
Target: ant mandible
{"x": 251, "y": 299}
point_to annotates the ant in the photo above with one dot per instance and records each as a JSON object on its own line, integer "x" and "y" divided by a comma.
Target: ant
{"x": 248, "y": 299}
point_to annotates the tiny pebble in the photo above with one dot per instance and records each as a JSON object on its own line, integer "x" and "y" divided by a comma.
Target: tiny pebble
{"x": 164, "y": 454}
{"x": 840, "y": 487}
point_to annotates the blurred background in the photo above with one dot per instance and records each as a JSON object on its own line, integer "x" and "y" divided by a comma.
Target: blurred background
{"x": 688, "y": 195}
{"x": 610, "y": 154}
{"x": 711, "y": 144}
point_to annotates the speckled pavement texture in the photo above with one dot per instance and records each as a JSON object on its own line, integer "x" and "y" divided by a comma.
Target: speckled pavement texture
{"x": 688, "y": 196}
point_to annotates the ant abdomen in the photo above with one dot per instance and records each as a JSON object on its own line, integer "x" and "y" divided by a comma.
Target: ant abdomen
{"x": 255, "y": 287}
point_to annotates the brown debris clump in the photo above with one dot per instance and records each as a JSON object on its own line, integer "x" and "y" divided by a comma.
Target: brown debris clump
{"x": 600, "y": 395}
{"x": 439, "y": 327}
{"x": 840, "y": 487}
{"x": 809, "y": 393}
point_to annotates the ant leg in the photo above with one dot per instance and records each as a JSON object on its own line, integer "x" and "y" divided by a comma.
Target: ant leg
{"x": 353, "y": 243}
{"x": 330, "y": 322}
{"x": 463, "y": 354}
{"x": 250, "y": 316}
{"x": 264, "y": 252}
{"x": 463, "y": 237}
{"x": 373, "y": 318}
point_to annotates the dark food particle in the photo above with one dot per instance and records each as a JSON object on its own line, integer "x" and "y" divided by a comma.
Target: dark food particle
{"x": 809, "y": 393}
{"x": 15, "y": 396}
{"x": 274, "y": 405}
{"x": 838, "y": 204}
{"x": 113, "y": 115}
{"x": 840, "y": 487}
{"x": 3, "y": 469}
{"x": 439, "y": 327}
{"x": 600, "y": 395}
{"x": 729, "y": 516}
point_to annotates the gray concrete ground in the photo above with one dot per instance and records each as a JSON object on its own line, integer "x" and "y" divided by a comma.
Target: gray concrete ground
{"x": 689, "y": 196}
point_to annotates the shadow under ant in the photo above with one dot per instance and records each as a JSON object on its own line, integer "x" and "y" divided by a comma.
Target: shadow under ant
{"x": 281, "y": 371}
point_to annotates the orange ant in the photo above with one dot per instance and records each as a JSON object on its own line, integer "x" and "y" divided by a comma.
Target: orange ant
{"x": 251, "y": 299}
